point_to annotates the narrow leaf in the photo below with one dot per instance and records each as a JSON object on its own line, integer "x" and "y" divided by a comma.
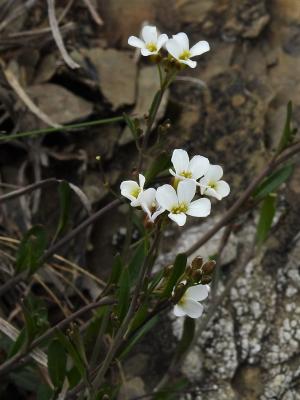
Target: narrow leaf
{"x": 57, "y": 363}
{"x": 177, "y": 271}
{"x": 65, "y": 202}
{"x": 31, "y": 250}
{"x": 140, "y": 333}
{"x": 136, "y": 262}
{"x": 267, "y": 213}
{"x": 287, "y": 133}
{"x": 123, "y": 294}
{"x": 272, "y": 183}
{"x": 161, "y": 163}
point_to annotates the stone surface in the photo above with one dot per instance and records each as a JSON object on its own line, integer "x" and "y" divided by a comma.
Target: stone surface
{"x": 147, "y": 86}
{"x": 52, "y": 100}
{"x": 116, "y": 72}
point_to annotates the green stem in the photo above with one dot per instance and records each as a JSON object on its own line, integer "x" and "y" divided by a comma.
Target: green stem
{"x": 8, "y": 138}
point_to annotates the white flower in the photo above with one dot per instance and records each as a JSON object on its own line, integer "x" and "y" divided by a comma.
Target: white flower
{"x": 180, "y": 204}
{"x": 149, "y": 204}
{"x": 211, "y": 185}
{"x": 151, "y": 43}
{"x": 132, "y": 190}
{"x": 186, "y": 168}
{"x": 188, "y": 304}
{"x": 179, "y": 48}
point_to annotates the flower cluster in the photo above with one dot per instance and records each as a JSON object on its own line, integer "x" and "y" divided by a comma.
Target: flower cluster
{"x": 178, "y": 199}
{"x": 178, "y": 46}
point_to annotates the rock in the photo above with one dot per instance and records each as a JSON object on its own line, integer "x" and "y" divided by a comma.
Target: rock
{"x": 247, "y": 19}
{"x": 123, "y": 19}
{"x": 61, "y": 105}
{"x": 286, "y": 10}
{"x": 148, "y": 85}
{"x": 116, "y": 74}
{"x": 131, "y": 389}
{"x": 194, "y": 11}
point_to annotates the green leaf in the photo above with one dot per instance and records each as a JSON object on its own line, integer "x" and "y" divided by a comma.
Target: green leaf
{"x": 123, "y": 294}
{"x": 272, "y": 183}
{"x": 18, "y": 344}
{"x": 139, "y": 334}
{"x": 44, "y": 392}
{"x": 116, "y": 269}
{"x": 177, "y": 270}
{"x": 156, "y": 279}
{"x": 161, "y": 163}
{"x": 57, "y": 363}
{"x": 31, "y": 250}
{"x": 72, "y": 352}
{"x": 64, "y": 191}
{"x": 139, "y": 317}
{"x": 267, "y": 213}
{"x": 131, "y": 126}
{"x": 136, "y": 262}
{"x": 155, "y": 104}
{"x": 288, "y": 132}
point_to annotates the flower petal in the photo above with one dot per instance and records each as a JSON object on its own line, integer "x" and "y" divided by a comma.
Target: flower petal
{"x": 127, "y": 187}
{"x": 212, "y": 192}
{"x": 180, "y": 219}
{"x": 198, "y": 166}
{"x": 199, "y": 48}
{"x": 197, "y": 293}
{"x": 149, "y": 34}
{"x": 199, "y": 208}
{"x": 192, "y": 308}
{"x": 203, "y": 183}
{"x": 142, "y": 181}
{"x": 222, "y": 188}
{"x": 214, "y": 172}
{"x": 166, "y": 197}
{"x": 190, "y": 63}
{"x": 156, "y": 213}
{"x": 178, "y": 311}
{"x": 173, "y": 48}
{"x": 180, "y": 160}
{"x": 136, "y": 42}
{"x": 183, "y": 40}
{"x": 161, "y": 41}
{"x": 147, "y": 198}
{"x": 186, "y": 191}
{"x": 145, "y": 52}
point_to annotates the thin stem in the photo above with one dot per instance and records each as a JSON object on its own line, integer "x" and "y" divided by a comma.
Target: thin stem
{"x": 66, "y": 128}
{"x": 120, "y": 335}
{"x": 7, "y": 366}
{"x": 27, "y": 189}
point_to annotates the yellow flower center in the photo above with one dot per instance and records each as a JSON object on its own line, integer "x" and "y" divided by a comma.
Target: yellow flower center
{"x": 212, "y": 184}
{"x": 151, "y": 47}
{"x": 180, "y": 208}
{"x": 135, "y": 192}
{"x": 186, "y": 174}
{"x": 185, "y": 55}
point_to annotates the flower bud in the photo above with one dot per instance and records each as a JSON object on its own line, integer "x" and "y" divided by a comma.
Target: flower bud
{"x": 208, "y": 267}
{"x": 197, "y": 276}
{"x": 168, "y": 270}
{"x": 205, "y": 279}
{"x": 197, "y": 263}
{"x": 178, "y": 292}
